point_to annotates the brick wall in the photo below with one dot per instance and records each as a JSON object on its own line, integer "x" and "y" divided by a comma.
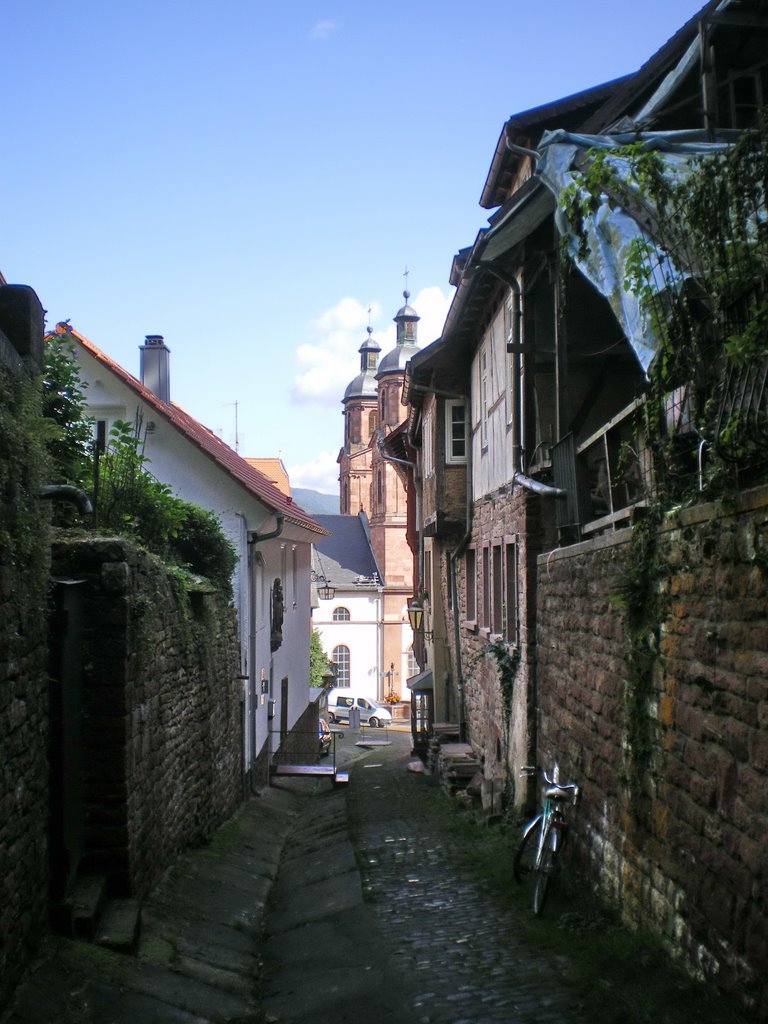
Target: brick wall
{"x": 162, "y": 758}
{"x": 674, "y": 818}
{"x": 504, "y": 741}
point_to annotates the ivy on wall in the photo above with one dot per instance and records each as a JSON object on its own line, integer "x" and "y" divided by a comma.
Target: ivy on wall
{"x": 700, "y": 274}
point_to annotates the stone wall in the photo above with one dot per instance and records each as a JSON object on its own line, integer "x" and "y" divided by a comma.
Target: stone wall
{"x": 502, "y": 733}
{"x": 672, "y": 760}
{"x": 163, "y": 743}
{"x": 24, "y": 521}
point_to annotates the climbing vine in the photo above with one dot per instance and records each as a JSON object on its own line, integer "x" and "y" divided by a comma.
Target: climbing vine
{"x": 642, "y": 596}
{"x": 699, "y": 272}
{"x": 507, "y": 662}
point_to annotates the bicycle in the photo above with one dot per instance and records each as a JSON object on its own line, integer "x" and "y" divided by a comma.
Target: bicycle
{"x": 544, "y": 835}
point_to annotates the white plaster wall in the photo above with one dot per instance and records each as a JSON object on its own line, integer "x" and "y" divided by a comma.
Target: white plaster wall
{"x": 492, "y": 464}
{"x": 362, "y": 635}
{"x": 195, "y": 477}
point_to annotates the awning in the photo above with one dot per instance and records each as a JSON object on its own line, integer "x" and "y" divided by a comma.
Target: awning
{"x": 422, "y": 681}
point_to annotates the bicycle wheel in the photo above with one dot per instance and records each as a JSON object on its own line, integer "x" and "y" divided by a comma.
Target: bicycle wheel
{"x": 544, "y": 870}
{"x": 525, "y": 855}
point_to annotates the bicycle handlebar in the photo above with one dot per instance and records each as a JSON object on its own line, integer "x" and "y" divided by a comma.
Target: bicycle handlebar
{"x": 529, "y": 770}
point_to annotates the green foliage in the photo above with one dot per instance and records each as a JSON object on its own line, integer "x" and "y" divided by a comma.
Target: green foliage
{"x": 507, "y": 662}
{"x": 24, "y": 469}
{"x": 318, "y": 659}
{"x": 700, "y": 275}
{"x": 643, "y": 598}
{"x": 130, "y": 501}
{"x": 67, "y": 430}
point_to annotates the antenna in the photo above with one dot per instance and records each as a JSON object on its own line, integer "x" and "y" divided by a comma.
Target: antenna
{"x": 237, "y": 436}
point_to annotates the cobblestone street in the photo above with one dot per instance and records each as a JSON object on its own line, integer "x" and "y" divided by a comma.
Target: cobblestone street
{"x": 460, "y": 947}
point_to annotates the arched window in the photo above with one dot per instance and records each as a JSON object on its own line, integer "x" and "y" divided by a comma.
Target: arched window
{"x": 340, "y": 658}
{"x": 413, "y": 665}
{"x": 341, "y": 615}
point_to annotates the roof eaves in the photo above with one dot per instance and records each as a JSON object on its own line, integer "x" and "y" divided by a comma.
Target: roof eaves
{"x": 653, "y": 69}
{"x": 207, "y": 442}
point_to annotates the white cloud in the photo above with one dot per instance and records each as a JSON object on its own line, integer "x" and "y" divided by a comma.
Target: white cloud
{"x": 321, "y": 474}
{"x": 432, "y": 306}
{"x": 329, "y": 360}
{"x": 323, "y": 29}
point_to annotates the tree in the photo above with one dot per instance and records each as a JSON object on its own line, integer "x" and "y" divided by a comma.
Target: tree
{"x": 318, "y": 660}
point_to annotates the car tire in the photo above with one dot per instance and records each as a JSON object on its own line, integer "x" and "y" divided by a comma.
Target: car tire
{"x": 331, "y": 716}
{"x": 374, "y": 723}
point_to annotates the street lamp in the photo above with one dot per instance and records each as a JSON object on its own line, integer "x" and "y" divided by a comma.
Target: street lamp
{"x": 326, "y": 592}
{"x": 416, "y": 619}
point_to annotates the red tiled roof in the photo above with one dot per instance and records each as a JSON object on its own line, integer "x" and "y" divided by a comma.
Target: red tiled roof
{"x": 209, "y": 443}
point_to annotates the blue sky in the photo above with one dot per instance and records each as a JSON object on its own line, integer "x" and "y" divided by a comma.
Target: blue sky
{"x": 248, "y": 179}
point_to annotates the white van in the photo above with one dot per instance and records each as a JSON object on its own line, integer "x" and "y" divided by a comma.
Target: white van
{"x": 371, "y": 712}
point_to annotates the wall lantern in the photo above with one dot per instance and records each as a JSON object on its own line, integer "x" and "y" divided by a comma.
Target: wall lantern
{"x": 416, "y": 619}
{"x": 325, "y": 591}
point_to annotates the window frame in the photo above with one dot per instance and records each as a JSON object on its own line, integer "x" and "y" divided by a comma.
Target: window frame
{"x": 343, "y": 667}
{"x": 451, "y": 459}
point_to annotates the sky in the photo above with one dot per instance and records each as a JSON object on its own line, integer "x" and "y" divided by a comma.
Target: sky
{"x": 253, "y": 180}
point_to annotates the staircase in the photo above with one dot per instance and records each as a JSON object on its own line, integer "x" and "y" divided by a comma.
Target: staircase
{"x": 87, "y": 913}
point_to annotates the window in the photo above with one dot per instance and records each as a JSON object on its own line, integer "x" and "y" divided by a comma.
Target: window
{"x": 470, "y": 563}
{"x": 497, "y": 626}
{"x": 340, "y": 658}
{"x": 413, "y": 665}
{"x": 510, "y": 580}
{"x": 341, "y": 615}
{"x": 746, "y": 100}
{"x": 371, "y": 423}
{"x": 428, "y": 443}
{"x": 455, "y": 432}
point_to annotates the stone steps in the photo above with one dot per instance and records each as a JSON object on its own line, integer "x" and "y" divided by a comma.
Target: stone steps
{"x": 89, "y": 914}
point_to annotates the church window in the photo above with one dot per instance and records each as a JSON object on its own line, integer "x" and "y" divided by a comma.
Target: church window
{"x": 340, "y": 658}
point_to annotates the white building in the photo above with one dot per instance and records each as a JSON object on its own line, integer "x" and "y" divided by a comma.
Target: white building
{"x": 271, "y": 535}
{"x": 350, "y": 622}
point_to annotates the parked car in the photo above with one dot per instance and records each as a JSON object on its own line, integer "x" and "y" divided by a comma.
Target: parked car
{"x": 324, "y": 734}
{"x": 371, "y": 712}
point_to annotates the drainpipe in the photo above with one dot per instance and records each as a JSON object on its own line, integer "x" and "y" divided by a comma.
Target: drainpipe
{"x": 521, "y": 150}
{"x": 66, "y": 492}
{"x": 257, "y": 538}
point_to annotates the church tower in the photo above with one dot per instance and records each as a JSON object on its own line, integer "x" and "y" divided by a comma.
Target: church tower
{"x": 376, "y": 485}
{"x": 360, "y": 423}
{"x": 388, "y": 513}
{"x": 389, "y": 509}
